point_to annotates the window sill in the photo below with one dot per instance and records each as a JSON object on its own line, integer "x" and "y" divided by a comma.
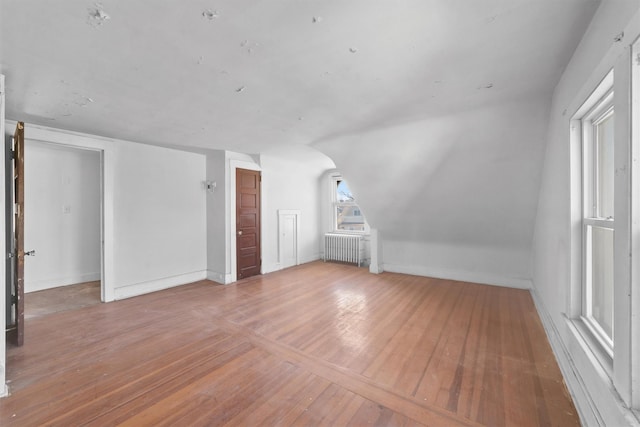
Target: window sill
{"x": 591, "y": 344}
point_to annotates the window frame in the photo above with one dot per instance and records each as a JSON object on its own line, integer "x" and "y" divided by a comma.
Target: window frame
{"x": 580, "y": 203}
{"x": 334, "y": 181}
{"x": 599, "y": 111}
{"x": 596, "y": 370}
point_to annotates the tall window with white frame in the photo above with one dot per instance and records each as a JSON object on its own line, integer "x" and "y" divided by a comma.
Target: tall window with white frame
{"x": 598, "y": 220}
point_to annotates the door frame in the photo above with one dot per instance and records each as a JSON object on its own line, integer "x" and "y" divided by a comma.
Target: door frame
{"x": 15, "y": 147}
{"x": 282, "y": 213}
{"x": 47, "y": 152}
{"x": 231, "y": 214}
{"x": 4, "y": 390}
{"x": 107, "y": 156}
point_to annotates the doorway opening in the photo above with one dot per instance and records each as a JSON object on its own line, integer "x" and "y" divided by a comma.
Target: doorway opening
{"x": 63, "y": 226}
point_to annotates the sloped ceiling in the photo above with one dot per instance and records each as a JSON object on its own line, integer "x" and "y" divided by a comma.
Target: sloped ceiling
{"x": 425, "y": 100}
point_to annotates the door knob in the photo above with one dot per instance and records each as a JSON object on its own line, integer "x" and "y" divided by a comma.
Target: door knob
{"x": 30, "y": 253}
{"x": 240, "y": 233}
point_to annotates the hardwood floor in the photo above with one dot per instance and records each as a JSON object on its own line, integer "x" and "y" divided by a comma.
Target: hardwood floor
{"x": 41, "y": 303}
{"x": 318, "y": 344}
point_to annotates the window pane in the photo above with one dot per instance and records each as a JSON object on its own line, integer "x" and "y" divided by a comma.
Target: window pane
{"x": 343, "y": 193}
{"x": 605, "y": 167}
{"x": 349, "y": 218}
{"x": 601, "y": 304}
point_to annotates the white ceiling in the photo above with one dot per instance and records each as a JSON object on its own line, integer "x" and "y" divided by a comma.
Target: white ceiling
{"x": 436, "y": 111}
{"x": 247, "y": 74}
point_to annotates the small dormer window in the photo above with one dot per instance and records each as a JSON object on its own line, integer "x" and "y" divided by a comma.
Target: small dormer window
{"x": 346, "y": 212}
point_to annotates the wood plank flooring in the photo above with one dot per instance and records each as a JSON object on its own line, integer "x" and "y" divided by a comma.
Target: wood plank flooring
{"x": 41, "y": 303}
{"x": 317, "y": 344}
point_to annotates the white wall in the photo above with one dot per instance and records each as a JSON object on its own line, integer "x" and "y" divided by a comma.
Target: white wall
{"x": 598, "y": 398}
{"x": 67, "y": 243}
{"x": 291, "y": 181}
{"x": 216, "y": 218}
{"x": 479, "y": 264}
{"x": 154, "y": 212}
{"x": 159, "y": 218}
{"x": 453, "y": 195}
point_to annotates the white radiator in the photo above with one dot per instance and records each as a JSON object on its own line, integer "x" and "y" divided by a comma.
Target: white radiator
{"x": 342, "y": 247}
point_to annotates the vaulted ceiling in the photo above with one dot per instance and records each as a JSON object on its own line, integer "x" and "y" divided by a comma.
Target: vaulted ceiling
{"x": 246, "y": 74}
{"x": 438, "y": 105}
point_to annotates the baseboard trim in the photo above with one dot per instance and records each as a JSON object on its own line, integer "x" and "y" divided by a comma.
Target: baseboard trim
{"x": 41, "y": 285}
{"x": 588, "y": 414}
{"x": 278, "y": 266}
{"x": 609, "y": 408}
{"x": 462, "y": 276}
{"x": 217, "y": 277}
{"x": 158, "y": 285}
{"x": 4, "y": 391}
{"x": 308, "y": 259}
{"x": 376, "y": 268}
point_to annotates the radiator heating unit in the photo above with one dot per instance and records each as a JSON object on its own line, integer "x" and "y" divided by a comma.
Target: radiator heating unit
{"x": 342, "y": 247}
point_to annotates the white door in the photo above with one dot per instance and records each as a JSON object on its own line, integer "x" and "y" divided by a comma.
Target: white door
{"x": 288, "y": 238}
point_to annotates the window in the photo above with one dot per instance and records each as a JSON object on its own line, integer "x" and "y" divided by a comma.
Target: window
{"x": 346, "y": 212}
{"x": 598, "y": 220}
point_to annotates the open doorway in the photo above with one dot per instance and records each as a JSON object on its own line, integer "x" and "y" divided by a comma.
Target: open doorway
{"x": 63, "y": 226}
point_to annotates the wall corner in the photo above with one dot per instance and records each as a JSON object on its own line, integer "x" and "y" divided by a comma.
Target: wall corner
{"x": 376, "y": 263}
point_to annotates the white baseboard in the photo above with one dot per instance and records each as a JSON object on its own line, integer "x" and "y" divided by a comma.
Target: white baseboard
{"x": 311, "y": 258}
{"x": 462, "y": 276}
{"x": 4, "y": 388}
{"x": 277, "y": 266}
{"x": 270, "y": 268}
{"x": 158, "y": 285}
{"x": 597, "y": 402}
{"x": 376, "y": 269}
{"x": 39, "y": 285}
{"x": 217, "y": 277}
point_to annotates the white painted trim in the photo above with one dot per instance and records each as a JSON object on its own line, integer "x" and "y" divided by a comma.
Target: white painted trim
{"x": 634, "y": 161}
{"x": 459, "y": 275}
{"x": 39, "y": 285}
{"x": 582, "y": 372}
{"x": 613, "y": 73}
{"x": 334, "y": 177}
{"x": 376, "y": 263}
{"x": 622, "y": 358}
{"x": 107, "y": 159}
{"x": 277, "y": 267}
{"x": 231, "y": 203}
{"x": 271, "y": 267}
{"x": 158, "y": 285}
{"x": 311, "y": 258}
{"x": 281, "y": 215}
{"x": 108, "y": 251}
{"x": 217, "y": 277}
{"x": 4, "y": 390}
